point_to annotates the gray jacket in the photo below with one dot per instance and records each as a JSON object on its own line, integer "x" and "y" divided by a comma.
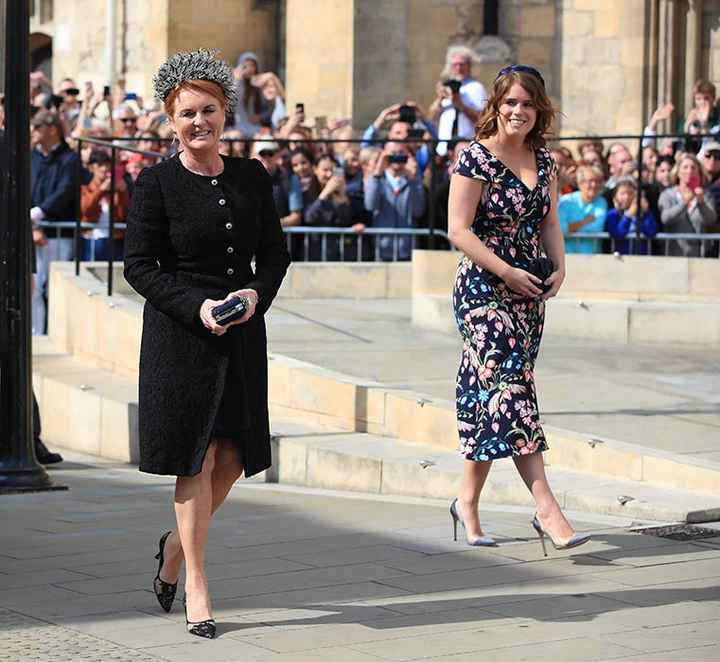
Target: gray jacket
{"x": 675, "y": 217}
{"x": 391, "y": 210}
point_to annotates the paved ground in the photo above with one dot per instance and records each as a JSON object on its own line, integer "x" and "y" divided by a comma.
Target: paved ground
{"x": 301, "y": 575}
{"x": 663, "y": 397}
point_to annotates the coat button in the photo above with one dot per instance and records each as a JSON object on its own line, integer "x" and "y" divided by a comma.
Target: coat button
{"x": 213, "y": 182}
{"x": 228, "y": 226}
{"x": 230, "y": 249}
{"x": 230, "y": 271}
{"x": 221, "y": 201}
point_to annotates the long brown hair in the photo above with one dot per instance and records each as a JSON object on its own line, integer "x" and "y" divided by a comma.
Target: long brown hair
{"x": 487, "y": 125}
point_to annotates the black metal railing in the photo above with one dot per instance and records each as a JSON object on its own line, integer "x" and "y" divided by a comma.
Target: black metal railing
{"x": 359, "y": 252}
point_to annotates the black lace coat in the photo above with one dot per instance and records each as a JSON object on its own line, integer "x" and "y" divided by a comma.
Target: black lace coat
{"x": 191, "y": 238}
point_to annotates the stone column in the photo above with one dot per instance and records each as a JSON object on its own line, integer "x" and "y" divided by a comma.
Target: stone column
{"x": 693, "y": 41}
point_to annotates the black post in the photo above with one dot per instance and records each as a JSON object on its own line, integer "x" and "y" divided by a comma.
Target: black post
{"x": 78, "y": 206}
{"x": 111, "y": 223}
{"x": 19, "y": 469}
{"x": 638, "y": 213}
{"x": 432, "y": 193}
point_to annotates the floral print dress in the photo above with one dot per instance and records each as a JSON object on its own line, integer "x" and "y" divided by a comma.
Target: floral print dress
{"x": 497, "y": 409}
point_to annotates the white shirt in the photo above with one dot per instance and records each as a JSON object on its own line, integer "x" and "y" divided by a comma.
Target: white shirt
{"x": 472, "y": 94}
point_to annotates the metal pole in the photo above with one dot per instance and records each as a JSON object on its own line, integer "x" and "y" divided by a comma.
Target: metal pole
{"x": 78, "y": 206}
{"x": 19, "y": 469}
{"x": 111, "y": 222}
{"x": 111, "y": 38}
{"x": 432, "y": 193}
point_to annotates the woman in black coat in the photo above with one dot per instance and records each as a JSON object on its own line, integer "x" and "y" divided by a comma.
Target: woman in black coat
{"x": 196, "y": 223}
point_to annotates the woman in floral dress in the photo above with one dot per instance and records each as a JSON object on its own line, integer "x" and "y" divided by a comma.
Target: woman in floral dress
{"x": 502, "y": 212}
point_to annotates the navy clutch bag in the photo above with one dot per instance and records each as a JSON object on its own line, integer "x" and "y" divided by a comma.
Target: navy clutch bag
{"x": 231, "y": 310}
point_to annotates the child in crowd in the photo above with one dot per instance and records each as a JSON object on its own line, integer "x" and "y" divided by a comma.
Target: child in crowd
{"x": 623, "y": 219}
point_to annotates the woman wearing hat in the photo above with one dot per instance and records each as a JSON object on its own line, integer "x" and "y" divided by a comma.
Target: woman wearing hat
{"x": 196, "y": 222}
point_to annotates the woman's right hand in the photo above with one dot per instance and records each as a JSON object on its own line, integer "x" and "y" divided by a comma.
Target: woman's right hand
{"x": 206, "y": 317}
{"x": 522, "y": 282}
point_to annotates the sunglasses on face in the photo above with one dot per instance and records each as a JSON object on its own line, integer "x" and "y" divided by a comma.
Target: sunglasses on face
{"x": 523, "y": 68}
{"x": 128, "y": 120}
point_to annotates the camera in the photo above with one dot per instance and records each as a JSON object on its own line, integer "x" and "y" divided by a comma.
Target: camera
{"x": 300, "y": 107}
{"x": 398, "y": 157}
{"x": 454, "y": 85}
{"x": 408, "y": 114}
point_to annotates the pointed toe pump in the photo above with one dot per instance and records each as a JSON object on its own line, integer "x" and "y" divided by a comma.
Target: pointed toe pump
{"x": 205, "y": 629}
{"x": 164, "y": 592}
{"x": 575, "y": 540}
{"x": 481, "y": 541}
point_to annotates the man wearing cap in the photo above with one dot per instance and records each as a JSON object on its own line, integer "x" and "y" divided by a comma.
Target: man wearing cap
{"x": 711, "y": 163}
{"x": 286, "y": 190}
{"x": 53, "y": 198}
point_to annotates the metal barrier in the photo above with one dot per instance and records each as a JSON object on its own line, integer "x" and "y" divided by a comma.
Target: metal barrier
{"x": 308, "y": 234}
{"x": 708, "y": 242}
{"x": 315, "y": 239}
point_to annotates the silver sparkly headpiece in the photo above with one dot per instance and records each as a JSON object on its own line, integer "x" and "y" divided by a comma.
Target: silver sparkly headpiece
{"x": 195, "y": 65}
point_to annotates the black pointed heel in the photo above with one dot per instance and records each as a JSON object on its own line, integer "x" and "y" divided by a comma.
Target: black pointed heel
{"x": 205, "y": 629}
{"x": 164, "y": 592}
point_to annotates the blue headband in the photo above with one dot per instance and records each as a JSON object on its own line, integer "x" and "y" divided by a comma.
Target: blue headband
{"x": 523, "y": 68}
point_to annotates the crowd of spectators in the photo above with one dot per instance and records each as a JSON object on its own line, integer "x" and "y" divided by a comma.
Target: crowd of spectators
{"x": 393, "y": 174}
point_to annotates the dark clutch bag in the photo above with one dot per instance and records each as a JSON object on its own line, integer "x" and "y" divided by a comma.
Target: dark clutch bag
{"x": 230, "y": 310}
{"x": 542, "y": 267}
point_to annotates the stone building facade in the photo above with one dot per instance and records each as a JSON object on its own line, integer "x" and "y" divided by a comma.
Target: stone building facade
{"x": 608, "y": 63}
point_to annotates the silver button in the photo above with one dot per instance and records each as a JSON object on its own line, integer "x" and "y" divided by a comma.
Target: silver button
{"x": 221, "y": 201}
{"x": 213, "y": 182}
{"x": 230, "y": 249}
{"x": 228, "y": 226}
{"x": 230, "y": 271}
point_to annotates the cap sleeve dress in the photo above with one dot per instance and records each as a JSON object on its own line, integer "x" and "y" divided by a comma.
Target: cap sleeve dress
{"x": 496, "y": 402}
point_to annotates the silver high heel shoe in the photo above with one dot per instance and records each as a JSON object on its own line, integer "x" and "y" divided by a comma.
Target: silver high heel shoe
{"x": 482, "y": 541}
{"x": 575, "y": 540}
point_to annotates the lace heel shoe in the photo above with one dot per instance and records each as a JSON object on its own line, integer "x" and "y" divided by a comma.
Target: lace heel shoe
{"x": 205, "y": 629}
{"x": 575, "y": 540}
{"x": 482, "y": 541}
{"x": 164, "y": 592}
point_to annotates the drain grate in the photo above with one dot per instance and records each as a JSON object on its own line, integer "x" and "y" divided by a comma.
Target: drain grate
{"x": 679, "y": 532}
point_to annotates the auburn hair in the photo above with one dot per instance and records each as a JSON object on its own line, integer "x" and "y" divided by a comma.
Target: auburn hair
{"x": 487, "y": 125}
{"x": 206, "y": 86}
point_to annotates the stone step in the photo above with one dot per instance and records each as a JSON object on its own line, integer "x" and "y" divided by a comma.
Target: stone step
{"x": 375, "y": 464}
{"x": 95, "y": 412}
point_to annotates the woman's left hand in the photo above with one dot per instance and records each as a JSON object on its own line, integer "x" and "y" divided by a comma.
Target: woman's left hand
{"x": 555, "y": 279}
{"x": 252, "y": 297}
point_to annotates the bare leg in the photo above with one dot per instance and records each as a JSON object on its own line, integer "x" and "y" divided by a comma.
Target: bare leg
{"x": 473, "y": 479}
{"x": 532, "y": 470}
{"x": 193, "y": 509}
{"x": 227, "y": 469}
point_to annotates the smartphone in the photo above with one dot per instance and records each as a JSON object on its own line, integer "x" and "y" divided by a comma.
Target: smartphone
{"x": 130, "y": 96}
{"x": 299, "y": 107}
{"x": 398, "y": 158}
{"x": 408, "y": 114}
{"x": 321, "y": 122}
{"x": 454, "y": 85}
{"x": 416, "y": 134}
{"x": 339, "y": 171}
{"x": 694, "y": 182}
{"x": 106, "y": 91}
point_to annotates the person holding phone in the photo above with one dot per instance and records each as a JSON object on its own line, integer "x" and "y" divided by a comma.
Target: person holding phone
{"x": 459, "y": 99}
{"x": 330, "y": 209}
{"x": 684, "y": 208}
{"x": 396, "y": 197}
{"x": 197, "y": 221}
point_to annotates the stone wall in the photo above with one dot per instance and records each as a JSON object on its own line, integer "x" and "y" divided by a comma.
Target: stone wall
{"x": 319, "y": 56}
{"x": 602, "y": 59}
{"x": 147, "y": 32}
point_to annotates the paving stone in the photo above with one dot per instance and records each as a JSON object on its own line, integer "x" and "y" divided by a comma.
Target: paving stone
{"x": 24, "y": 639}
{"x": 670, "y": 637}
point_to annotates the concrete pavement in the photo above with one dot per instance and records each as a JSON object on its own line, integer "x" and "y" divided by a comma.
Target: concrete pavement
{"x": 302, "y": 575}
